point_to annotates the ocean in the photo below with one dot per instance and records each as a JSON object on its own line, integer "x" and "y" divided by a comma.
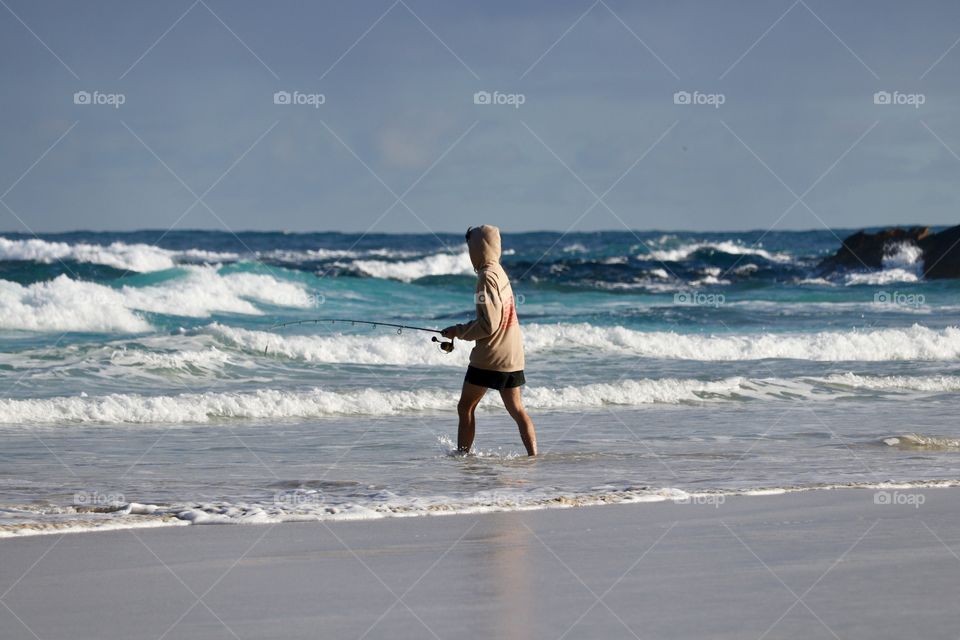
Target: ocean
{"x": 143, "y": 381}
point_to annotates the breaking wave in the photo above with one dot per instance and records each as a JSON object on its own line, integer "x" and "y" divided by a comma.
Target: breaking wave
{"x": 319, "y": 255}
{"x": 198, "y": 408}
{"x": 683, "y": 252}
{"x": 903, "y": 264}
{"x": 64, "y": 304}
{"x": 119, "y": 255}
{"x": 439, "y": 264}
{"x": 331, "y": 346}
{"x": 914, "y": 343}
{"x": 874, "y": 345}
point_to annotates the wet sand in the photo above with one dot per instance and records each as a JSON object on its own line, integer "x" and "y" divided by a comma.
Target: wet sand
{"x": 818, "y": 564}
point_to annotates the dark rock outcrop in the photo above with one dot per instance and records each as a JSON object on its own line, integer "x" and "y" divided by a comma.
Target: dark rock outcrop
{"x": 941, "y": 254}
{"x": 866, "y": 250}
{"x": 940, "y": 251}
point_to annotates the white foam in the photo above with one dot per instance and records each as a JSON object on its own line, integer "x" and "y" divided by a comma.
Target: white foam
{"x": 140, "y": 363}
{"x": 920, "y": 441}
{"x": 199, "y": 408}
{"x": 311, "y": 255}
{"x": 634, "y": 393}
{"x": 905, "y": 255}
{"x": 204, "y": 290}
{"x": 86, "y": 525}
{"x": 64, "y": 304}
{"x": 312, "y": 506}
{"x": 903, "y": 264}
{"x": 710, "y": 277}
{"x": 449, "y": 447}
{"x": 727, "y": 246}
{"x": 389, "y": 505}
{"x": 330, "y": 345}
{"x": 877, "y": 278}
{"x": 931, "y": 384}
{"x": 202, "y": 408}
{"x": 438, "y": 264}
{"x": 914, "y": 343}
{"x": 204, "y": 256}
{"x": 135, "y": 257}
{"x": 211, "y": 359}
{"x": 119, "y": 255}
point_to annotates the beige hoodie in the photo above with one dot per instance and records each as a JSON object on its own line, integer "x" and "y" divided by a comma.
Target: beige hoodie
{"x": 496, "y": 328}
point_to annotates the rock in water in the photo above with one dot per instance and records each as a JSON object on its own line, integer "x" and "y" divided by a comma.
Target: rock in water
{"x": 941, "y": 254}
{"x": 867, "y": 250}
{"x": 862, "y": 250}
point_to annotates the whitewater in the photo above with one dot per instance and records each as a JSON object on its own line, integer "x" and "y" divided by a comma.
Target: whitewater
{"x": 144, "y": 382}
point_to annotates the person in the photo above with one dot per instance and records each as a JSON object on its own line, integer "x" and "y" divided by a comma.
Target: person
{"x": 496, "y": 361}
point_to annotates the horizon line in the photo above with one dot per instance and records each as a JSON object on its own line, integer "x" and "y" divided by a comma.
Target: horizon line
{"x": 427, "y": 233}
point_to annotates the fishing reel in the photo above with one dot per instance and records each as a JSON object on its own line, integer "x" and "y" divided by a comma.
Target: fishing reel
{"x": 446, "y": 347}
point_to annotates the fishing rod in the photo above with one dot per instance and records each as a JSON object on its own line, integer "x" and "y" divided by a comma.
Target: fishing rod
{"x": 446, "y": 347}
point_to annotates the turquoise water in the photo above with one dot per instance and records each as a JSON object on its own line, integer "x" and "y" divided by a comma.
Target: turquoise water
{"x": 142, "y": 379}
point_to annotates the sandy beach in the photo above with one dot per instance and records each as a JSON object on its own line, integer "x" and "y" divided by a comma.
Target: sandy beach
{"x": 816, "y": 564}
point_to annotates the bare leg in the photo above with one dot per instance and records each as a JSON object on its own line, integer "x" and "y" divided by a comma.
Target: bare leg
{"x": 514, "y": 404}
{"x": 469, "y": 399}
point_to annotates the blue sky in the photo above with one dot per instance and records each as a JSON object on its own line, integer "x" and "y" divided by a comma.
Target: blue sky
{"x": 399, "y": 144}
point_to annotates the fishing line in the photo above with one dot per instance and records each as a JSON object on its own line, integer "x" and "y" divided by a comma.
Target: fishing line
{"x": 446, "y": 347}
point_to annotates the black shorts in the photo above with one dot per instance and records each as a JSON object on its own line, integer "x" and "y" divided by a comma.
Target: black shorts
{"x": 495, "y": 379}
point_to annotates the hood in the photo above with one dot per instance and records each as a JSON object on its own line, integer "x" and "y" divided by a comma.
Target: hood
{"x": 484, "y": 245}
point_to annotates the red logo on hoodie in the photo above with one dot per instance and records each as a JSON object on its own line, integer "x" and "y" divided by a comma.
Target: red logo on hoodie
{"x": 509, "y": 315}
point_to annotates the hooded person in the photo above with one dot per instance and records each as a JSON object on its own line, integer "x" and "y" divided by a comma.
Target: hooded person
{"x": 497, "y": 360}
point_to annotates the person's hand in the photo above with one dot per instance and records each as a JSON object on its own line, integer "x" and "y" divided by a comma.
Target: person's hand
{"x": 449, "y": 332}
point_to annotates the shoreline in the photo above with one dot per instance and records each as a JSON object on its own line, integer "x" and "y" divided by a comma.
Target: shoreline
{"x": 805, "y": 564}
{"x": 143, "y": 516}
